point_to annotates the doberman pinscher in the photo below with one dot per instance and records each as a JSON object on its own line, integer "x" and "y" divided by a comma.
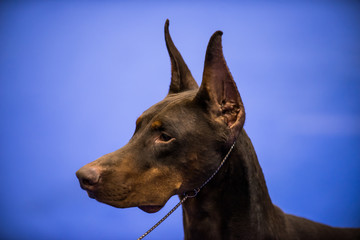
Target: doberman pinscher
{"x": 179, "y": 142}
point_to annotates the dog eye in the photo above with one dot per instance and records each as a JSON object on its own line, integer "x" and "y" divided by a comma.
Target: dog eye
{"x": 164, "y": 137}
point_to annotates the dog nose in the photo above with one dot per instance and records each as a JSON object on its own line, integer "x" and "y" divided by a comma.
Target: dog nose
{"x": 88, "y": 176}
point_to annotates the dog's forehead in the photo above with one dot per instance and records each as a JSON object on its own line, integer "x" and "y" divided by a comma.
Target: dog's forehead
{"x": 170, "y": 104}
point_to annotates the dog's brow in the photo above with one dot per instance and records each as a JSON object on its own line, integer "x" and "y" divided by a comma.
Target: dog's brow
{"x": 157, "y": 124}
{"x": 139, "y": 120}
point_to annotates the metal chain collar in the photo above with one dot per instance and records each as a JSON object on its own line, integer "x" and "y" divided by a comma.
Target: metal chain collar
{"x": 190, "y": 194}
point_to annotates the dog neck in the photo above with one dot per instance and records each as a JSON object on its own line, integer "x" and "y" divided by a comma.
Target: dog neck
{"x": 236, "y": 198}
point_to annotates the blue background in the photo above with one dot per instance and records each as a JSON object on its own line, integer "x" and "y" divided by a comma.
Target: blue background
{"x": 75, "y": 75}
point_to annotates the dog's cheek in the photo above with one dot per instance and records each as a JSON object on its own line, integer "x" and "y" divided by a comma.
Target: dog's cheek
{"x": 163, "y": 181}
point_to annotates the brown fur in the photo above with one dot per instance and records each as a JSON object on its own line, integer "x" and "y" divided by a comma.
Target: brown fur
{"x": 179, "y": 142}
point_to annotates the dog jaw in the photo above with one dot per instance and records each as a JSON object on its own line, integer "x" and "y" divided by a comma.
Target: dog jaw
{"x": 151, "y": 208}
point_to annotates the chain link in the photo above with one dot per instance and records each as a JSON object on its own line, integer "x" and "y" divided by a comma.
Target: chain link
{"x": 188, "y": 195}
{"x": 165, "y": 217}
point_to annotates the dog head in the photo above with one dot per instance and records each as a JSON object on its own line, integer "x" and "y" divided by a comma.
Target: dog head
{"x": 177, "y": 143}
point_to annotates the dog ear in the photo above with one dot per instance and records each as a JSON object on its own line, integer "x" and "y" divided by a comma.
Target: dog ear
{"x": 181, "y": 78}
{"x": 218, "y": 89}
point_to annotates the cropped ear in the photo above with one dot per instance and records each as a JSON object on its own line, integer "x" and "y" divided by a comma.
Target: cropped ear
{"x": 181, "y": 78}
{"x": 218, "y": 91}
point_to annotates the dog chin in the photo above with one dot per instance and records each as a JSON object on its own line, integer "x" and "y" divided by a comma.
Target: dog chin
{"x": 151, "y": 208}
{"x": 145, "y": 208}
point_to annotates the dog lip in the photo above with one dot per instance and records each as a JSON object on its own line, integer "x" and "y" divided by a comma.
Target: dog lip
{"x": 91, "y": 194}
{"x": 151, "y": 208}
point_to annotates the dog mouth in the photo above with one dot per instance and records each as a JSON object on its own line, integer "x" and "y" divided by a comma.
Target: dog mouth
{"x": 145, "y": 208}
{"x": 151, "y": 208}
{"x": 91, "y": 194}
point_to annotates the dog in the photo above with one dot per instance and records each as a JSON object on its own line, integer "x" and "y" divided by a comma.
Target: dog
{"x": 179, "y": 142}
